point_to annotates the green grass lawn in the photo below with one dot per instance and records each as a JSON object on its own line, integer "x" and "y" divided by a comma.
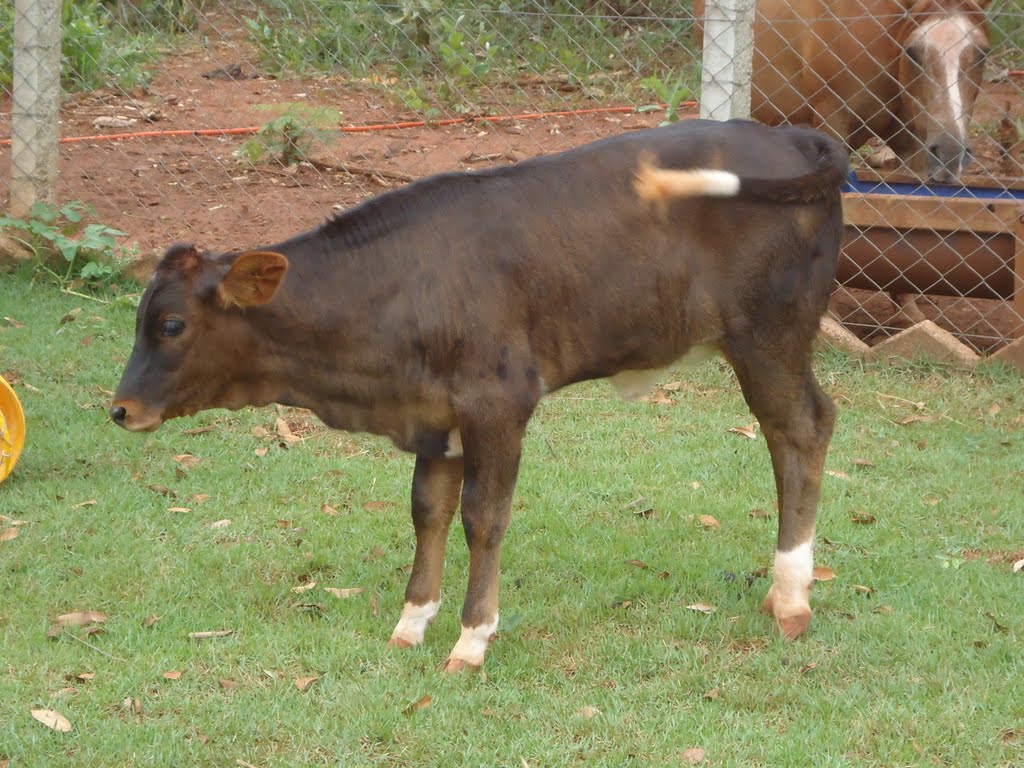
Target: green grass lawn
{"x": 914, "y": 657}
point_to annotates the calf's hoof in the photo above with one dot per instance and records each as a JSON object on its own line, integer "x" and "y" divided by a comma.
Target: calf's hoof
{"x": 401, "y": 642}
{"x": 454, "y": 666}
{"x": 791, "y": 620}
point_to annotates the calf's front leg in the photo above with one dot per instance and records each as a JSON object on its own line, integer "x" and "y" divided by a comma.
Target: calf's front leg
{"x": 492, "y": 462}
{"x": 435, "y": 495}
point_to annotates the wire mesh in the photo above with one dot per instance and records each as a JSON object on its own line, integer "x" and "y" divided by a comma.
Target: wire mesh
{"x": 251, "y": 121}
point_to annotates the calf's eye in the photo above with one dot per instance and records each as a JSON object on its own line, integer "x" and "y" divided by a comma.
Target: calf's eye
{"x": 172, "y": 327}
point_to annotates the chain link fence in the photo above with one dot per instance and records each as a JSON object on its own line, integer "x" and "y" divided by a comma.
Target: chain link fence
{"x": 239, "y": 123}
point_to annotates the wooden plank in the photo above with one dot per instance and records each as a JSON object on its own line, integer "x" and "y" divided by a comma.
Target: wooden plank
{"x": 1018, "y": 268}
{"x": 935, "y": 213}
{"x": 980, "y": 180}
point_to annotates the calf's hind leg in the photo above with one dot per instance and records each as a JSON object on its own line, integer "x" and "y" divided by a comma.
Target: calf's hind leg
{"x": 796, "y": 418}
{"x": 436, "y": 484}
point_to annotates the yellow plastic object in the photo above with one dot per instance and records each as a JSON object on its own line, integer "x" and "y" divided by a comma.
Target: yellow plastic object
{"x": 12, "y": 429}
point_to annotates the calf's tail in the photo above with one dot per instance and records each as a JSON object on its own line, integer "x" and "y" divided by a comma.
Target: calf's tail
{"x": 830, "y": 170}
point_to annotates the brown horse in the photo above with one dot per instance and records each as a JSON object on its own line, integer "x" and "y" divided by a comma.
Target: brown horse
{"x": 905, "y": 71}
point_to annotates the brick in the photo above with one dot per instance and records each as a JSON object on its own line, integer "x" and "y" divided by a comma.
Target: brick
{"x": 927, "y": 340}
{"x": 835, "y": 334}
{"x": 1012, "y": 354}
{"x": 12, "y": 251}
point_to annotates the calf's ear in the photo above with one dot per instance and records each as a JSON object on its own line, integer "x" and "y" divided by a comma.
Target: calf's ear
{"x": 252, "y": 279}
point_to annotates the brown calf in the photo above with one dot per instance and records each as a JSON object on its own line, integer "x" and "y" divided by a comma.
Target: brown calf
{"x": 440, "y": 314}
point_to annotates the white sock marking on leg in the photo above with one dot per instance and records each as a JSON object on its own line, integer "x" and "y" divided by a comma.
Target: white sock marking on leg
{"x": 473, "y": 643}
{"x": 792, "y": 578}
{"x": 412, "y": 626}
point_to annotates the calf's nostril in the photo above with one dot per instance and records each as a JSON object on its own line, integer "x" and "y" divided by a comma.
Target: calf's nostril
{"x": 118, "y": 414}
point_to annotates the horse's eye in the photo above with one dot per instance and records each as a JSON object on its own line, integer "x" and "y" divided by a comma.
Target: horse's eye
{"x": 172, "y": 326}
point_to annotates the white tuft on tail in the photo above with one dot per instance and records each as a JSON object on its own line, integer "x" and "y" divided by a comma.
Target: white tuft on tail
{"x": 662, "y": 184}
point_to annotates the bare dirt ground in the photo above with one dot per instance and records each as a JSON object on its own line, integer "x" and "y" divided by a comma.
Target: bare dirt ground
{"x": 162, "y": 189}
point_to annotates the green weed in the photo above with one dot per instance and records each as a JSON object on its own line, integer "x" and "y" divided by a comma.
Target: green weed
{"x": 671, "y": 95}
{"x": 290, "y": 138}
{"x": 90, "y": 252}
{"x": 463, "y": 54}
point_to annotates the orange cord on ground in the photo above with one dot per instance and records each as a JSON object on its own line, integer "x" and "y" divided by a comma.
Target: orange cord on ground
{"x": 346, "y": 129}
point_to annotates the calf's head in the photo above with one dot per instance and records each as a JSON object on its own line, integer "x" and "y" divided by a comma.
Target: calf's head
{"x": 194, "y": 338}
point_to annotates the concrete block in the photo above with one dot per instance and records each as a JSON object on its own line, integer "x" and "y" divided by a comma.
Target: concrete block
{"x": 833, "y": 333}
{"x": 926, "y": 340}
{"x": 1012, "y": 354}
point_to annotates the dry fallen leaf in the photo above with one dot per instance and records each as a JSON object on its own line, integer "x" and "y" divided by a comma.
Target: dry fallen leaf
{"x": 242, "y": 764}
{"x": 200, "y": 430}
{"x": 208, "y": 634}
{"x": 808, "y": 667}
{"x": 133, "y": 705}
{"x": 8, "y": 534}
{"x": 84, "y": 677}
{"x": 303, "y": 587}
{"x": 749, "y": 431}
{"x": 186, "y": 460}
{"x": 863, "y": 589}
{"x": 837, "y": 473}
{"x": 759, "y": 513}
{"x": 930, "y": 500}
{"x": 713, "y": 694}
{"x": 199, "y": 498}
{"x": 342, "y": 593}
{"x": 885, "y": 610}
{"x": 375, "y": 506}
{"x": 52, "y": 719}
{"x": 994, "y": 409}
{"x": 89, "y": 503}
{"x": 79, "y": 618}
{"x": 636, "y": 563}
{"x": 70, "y": 316}
{"x": 589, "y": 712}
{"x": 416, "y": 706}
{"x": 1018, "y": 566}
{"x": 179, "y": 510}
{"x": 821, "y": 573}
{"x": 695, "y": 485}
{"x": 221, "y": 523}
{"x": 13, "y": 323}
{"x": 261, "y": 452}
{"x": 862, "y": 518}
{"x": 693, "y": 755}
{"x": 658, "y": 397}
{"x": 260, "y": 432}
{"x": 327, "y": 509}
{"x": 285, "y": 432}
{"x": 150, "y": 620}
{"x": 172, "y": 675}
{"x": 227, "y": 685}
{"x": 702, "y": 607}
{"x": 708, "y": 522}
{"x": 305, "y": 683}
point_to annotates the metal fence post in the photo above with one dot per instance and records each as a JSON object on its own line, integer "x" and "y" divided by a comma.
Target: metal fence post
{"x": 35, "y": 106}
{"x": 727, "y": 59}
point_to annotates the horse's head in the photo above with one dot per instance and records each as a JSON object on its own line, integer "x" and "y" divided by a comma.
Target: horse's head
{"x": 944, "y": 46}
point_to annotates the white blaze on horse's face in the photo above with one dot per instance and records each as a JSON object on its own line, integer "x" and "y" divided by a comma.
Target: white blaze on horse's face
{"x": 942, "y": 75}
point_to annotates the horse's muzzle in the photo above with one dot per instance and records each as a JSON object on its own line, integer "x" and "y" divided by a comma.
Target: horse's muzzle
{"x": 948, "y": 157}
